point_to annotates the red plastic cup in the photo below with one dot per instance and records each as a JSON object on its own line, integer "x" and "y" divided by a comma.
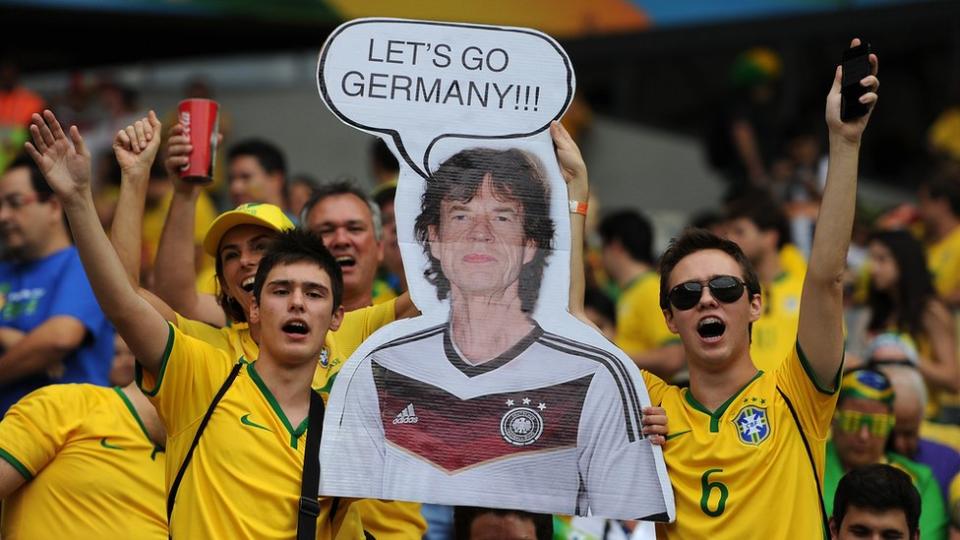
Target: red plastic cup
{"x": 200, "y": 119}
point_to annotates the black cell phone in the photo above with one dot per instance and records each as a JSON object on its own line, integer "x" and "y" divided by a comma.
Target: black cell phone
{"x": 856, "y": 66}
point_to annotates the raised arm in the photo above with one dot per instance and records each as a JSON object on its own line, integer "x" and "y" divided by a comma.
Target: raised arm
{"x": 175, "y": 269}
{"x": 820, "y": 331}
{"x": 574, "y": 172}
{"x": 65, "y": 162}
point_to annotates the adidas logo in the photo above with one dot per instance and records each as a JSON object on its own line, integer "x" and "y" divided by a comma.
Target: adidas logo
{"x": 406, "y": 416}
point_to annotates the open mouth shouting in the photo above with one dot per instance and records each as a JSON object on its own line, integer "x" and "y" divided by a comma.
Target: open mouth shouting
{"x": 296, "y": 328}
{"x": 346, "y": 261}
{"x": 711, "y": 329}
{"x": 247, "y": 284}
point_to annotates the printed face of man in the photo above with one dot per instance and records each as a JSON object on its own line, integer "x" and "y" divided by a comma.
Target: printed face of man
{"x": 481, "y": 245}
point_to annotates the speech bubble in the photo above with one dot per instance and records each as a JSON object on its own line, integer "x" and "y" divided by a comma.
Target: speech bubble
{"x": 418, "y": 82}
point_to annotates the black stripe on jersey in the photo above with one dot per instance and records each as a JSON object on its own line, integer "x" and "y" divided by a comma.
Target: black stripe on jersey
{"x": 416, "y": 336}
{"x": 616, "y": 362}
{"x": 613, "y": 359}
{"x": 632, "y": 421}
{"x": 813, "y": 463}
{"x": 472, "y": 371}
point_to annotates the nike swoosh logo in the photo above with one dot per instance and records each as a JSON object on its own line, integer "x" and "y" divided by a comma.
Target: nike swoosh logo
{"x": 675, "y": 435}
{"x": 105, "y": 444}
{"x": 245, "y": 420}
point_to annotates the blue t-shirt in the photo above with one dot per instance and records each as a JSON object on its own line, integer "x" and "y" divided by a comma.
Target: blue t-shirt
{"x": 33, "y": 292}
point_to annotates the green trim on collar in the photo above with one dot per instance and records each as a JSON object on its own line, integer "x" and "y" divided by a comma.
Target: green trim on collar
{"x": 716, "y": 415}
{"x": 133, "y": 411}
{"x": 295, "y": 434}
{"x": 138, "y": 369}
{"x": 808, "y": 369}
{"x": 6, "y": 456}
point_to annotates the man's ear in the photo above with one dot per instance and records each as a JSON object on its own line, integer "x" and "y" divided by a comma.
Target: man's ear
{"x": 337, "y": 319}
{"x": 432, "y": 234}
{"x": 254, "y": 317}
{"x": 530, "y": 252}
{"x": 668, "y": 316}
{"x": 756, "y": 306}
{"x": 834, "y": 529}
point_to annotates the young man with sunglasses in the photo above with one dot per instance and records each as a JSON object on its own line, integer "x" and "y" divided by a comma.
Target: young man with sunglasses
{"x": 746, "y": 447}
{"x": 861, "y": 428}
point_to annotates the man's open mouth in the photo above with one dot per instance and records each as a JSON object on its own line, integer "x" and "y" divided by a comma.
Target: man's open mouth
{"x": 346, "y": 261}
{"x": 711, "y": 327}
{"x": 296, "y": 327}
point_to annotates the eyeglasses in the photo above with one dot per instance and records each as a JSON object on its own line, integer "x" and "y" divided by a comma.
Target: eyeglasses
{"x": 878, "y": 424}
{"x": 17, "y": 201}
{"x": 726, "y": 289}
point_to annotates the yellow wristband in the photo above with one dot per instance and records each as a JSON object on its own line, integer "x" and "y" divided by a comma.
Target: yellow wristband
{"x": 578, "y": 207}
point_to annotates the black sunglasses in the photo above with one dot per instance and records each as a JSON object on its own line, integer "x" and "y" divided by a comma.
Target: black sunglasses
{"x": 726, "y": 289}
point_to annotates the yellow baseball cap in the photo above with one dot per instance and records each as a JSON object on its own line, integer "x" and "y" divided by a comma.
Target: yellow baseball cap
{"x": 261, "y": 214}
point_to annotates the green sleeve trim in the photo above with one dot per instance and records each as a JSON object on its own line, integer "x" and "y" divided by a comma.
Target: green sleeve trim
{"x": 138, "y": 369}
{"x": 813, "y": 376}
{"x": 6, "y": 456}
{"x": 295, "y": 434}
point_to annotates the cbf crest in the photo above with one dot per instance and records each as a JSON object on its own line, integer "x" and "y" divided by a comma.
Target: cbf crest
{"x": 753, "y": 425}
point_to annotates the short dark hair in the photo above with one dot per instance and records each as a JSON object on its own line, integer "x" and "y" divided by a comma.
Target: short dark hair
{"x": 693, "y": 240}
{"x": 761, "y": 210}
{"x": 945, "y": 187}
{"x": 37, "y": 180}
{"x": 597, "y": 300}
{"x": 515, "y": 176}
{"x": 877, "y": 487}
{"x": 267, "y": 154}
{"x": 385, "y": 195}
{"x": 344, "y": 186}
{"x": 382, "y": 157}
{"x": 294, "y": 246}
{"x": 632, "y": 230}
{"x": 464, "y": 516}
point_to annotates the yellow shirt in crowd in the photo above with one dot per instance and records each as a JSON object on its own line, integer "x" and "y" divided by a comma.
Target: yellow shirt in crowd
{"x": 731, "y": 468}
{"x": 640, "y": 323}
{"x": 775, "y": 333}
{"x": 244, "y": 478}
{"x": 92, "y": 470}
{"x": 943, "y": 259}
{"x": 386, "y": 520}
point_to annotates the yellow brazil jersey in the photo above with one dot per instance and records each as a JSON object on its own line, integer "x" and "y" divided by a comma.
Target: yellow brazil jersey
{"x": 730, "y": 469}
{"x": 244, "y": 478}
{"x": 92, "y": 470}
{"x": 775, "y": 333}
{"x": 792, "y": 260}
{"x": 640, "y": 323}
{"x": 943, "y": 259}
{"x": 385, "y": 520}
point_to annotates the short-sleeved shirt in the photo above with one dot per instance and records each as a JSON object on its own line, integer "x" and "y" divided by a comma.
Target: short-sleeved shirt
{"x": 934, "y": 521}
{"x": 775, "y": 333}
{"x": 731, "y": 467}
{"x": 383, "y": 519}
{"x": 943, "y": 260}
{"x": 244, "y": 478}
{"x": 92, "y": 470}
{"x": 34, "y": 292}
{"x": 640, "y": 323}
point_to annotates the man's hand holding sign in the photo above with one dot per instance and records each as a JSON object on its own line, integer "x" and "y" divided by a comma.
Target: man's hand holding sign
{"x": 497, "y": 396}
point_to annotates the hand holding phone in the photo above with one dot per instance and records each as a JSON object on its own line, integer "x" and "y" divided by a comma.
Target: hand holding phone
{"x": 856, "y": 66}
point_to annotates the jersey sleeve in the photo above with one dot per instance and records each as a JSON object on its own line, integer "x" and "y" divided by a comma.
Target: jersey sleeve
{"x": 191, "y": 371}
{"x": 74, "y": 298}
{"x": 616, "y": 463}
{"x": 640, "y": 323}
{"x": 656, "y": 387}
{"x": 356, "y": 442}
{"x": 202, "y": 331}
{"x": 39, "y": 425}
{"x": 391, "y": 519}
{"x": 357, "y": 325}
{"x": 813, "y": 404}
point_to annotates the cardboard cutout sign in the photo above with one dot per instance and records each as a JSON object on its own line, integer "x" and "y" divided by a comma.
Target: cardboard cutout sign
{"x": 496, "y": 396}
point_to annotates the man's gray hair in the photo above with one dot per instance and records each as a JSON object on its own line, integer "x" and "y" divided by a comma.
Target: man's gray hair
{"x": 345, "y": 186}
